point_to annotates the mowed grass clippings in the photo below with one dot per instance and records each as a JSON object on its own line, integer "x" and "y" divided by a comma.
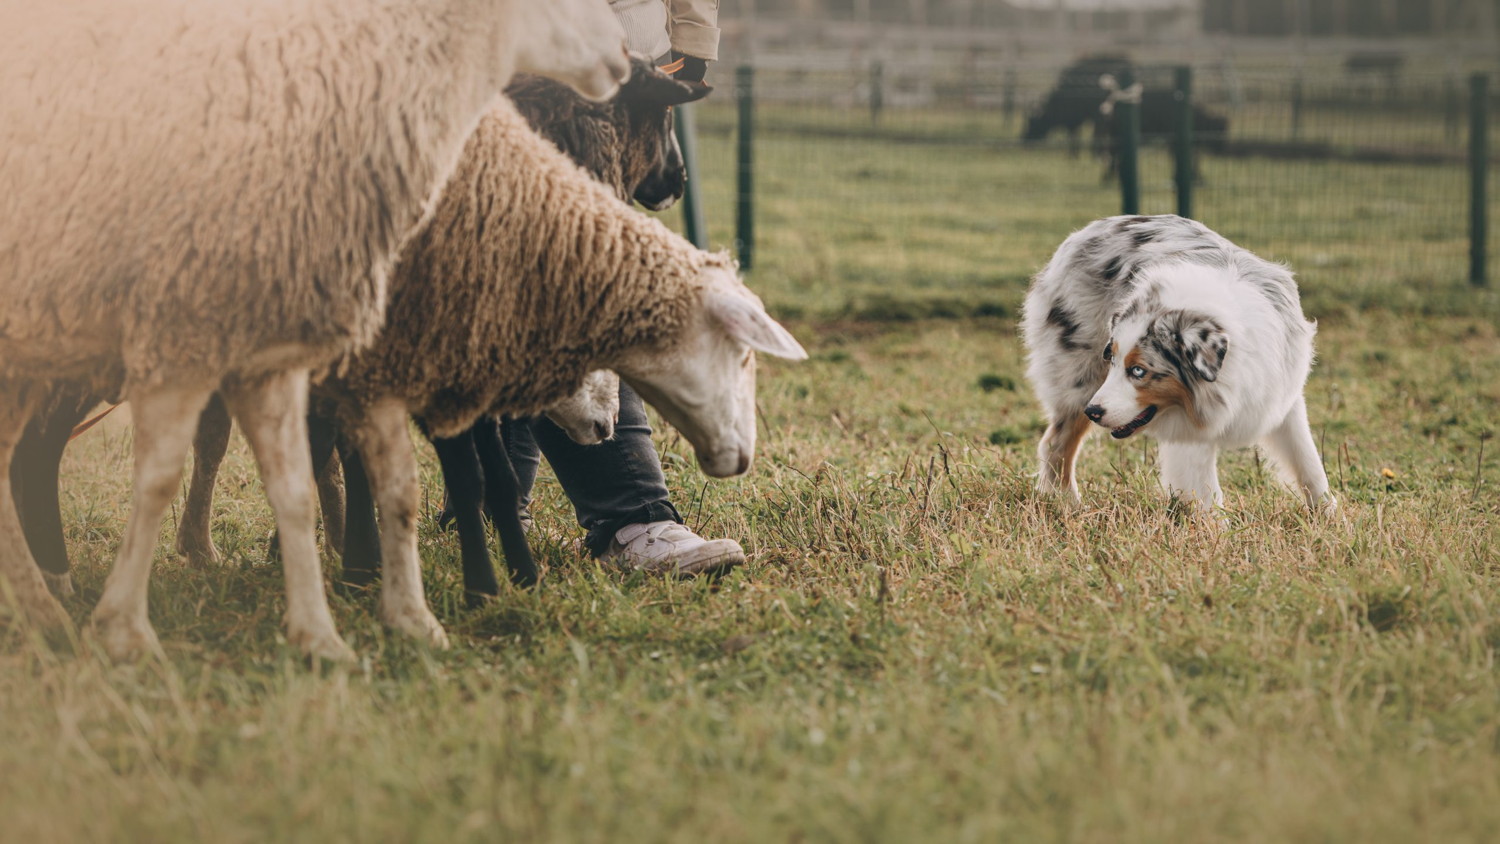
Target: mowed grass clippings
{"x": 921, "y": 648}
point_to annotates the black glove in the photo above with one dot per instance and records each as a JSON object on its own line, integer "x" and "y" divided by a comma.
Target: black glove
{"x": 693, "y": 68}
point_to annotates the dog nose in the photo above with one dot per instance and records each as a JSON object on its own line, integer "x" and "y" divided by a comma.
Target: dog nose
{"x": 1094, "y": 412}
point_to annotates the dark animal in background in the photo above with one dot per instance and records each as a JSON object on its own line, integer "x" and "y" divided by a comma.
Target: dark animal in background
{"x": 1158, "y": 111}
{"x": 1074, "y": 102}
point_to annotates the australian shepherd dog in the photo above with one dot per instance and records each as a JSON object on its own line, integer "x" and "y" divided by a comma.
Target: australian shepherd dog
{"x": 1160, "y": 326}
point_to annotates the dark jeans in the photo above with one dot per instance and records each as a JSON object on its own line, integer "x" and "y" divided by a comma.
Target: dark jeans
{"x": 611, "y": 484}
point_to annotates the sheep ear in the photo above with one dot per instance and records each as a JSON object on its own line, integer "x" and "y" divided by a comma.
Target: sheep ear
{"x": 1203, "y": 344}
{"x": 747, "y": 321}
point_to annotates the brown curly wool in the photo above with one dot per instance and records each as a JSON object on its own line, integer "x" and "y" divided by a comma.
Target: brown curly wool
{"x": 527, "y": 275}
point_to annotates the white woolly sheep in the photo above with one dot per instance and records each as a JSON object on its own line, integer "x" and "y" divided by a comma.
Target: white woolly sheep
{"x": 207, "y": 195}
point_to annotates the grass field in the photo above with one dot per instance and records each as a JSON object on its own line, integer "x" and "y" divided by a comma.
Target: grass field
{"x": 921, "y": 648}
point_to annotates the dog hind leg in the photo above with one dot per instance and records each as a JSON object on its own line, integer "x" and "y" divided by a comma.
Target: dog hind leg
{"x": 1058, "y": 454}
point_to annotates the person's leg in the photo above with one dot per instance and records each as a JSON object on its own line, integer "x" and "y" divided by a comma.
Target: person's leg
{"x": 514, "y": 436}
{"x": 620, "y": 497}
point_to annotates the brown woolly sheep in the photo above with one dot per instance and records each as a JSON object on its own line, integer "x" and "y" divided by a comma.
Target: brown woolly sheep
{"x": 527, "y": 275}
{"x": 206, "y": 196}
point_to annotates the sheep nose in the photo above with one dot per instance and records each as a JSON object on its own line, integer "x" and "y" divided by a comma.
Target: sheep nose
{"x": 744, "y": 465}
{"x": 1094, "y": 412}
{"x": 603, "y": 430}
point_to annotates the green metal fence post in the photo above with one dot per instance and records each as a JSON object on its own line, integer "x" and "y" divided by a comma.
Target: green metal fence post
{"x": 744, "y": 211}
{"x": 1128, "y": 146}
{"x": 692, "y": 205}
{"x": 1479, "y": 160}
{"x": 1183, "y": 173}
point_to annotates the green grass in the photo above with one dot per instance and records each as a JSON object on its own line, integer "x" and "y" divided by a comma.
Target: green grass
{"x": 921, "y": 647}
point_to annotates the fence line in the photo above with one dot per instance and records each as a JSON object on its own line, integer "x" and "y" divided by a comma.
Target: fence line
{"x": 877, "y": 199}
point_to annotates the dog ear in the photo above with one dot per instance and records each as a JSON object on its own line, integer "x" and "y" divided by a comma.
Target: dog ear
{"x": 1204, "y": 344}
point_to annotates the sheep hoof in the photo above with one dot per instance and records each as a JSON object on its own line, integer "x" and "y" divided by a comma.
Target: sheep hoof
{"x": 126, "y": 637}
{"x": 325, "y": 645}
{"x": 204, "y": 558}
{"x": 478, "y": 600}
{"x": 418, "y": 622}
{"x": 60, "y": 585}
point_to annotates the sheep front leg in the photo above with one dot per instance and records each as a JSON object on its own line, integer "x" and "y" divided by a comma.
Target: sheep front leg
{"x": 165, "y": 419}
{"x": 272, "y": 411}
{"x": 209, "y": 445}
{"x": 465, "y": 482}
{"x": 502, "y": 497}
{"x": 385, "y": 447}
{"x": 19, "y": 575}
{"x": 34, "y": 476}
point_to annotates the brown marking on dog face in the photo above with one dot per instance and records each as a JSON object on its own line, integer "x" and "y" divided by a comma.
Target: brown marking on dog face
{"x": 1160, "y": 387}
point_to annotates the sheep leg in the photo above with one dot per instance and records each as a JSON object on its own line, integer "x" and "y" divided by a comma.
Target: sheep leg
{"x": 361, "y": 535}
{"x": 321, "y": 439}
{"x": 272, "y": 412}
{"x": 385, "y": 447}
{"x": 209, "y": 445}
{"x": 165, "y": 421}
{"x": 502, "y": 493}
{"x": 20, "y": 579}
{"x": 329, "y": 482}
{"x": 465, "y": 482}
{"x": 34, "y": 476}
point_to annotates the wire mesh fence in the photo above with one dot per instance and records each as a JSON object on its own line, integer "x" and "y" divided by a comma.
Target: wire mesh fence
{"x": 885, "y": 192}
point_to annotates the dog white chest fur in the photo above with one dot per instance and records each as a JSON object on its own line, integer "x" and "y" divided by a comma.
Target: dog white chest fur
{"x": 1160, "y": 325}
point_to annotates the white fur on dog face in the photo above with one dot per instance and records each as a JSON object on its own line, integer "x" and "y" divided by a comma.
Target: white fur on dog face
{"x": 576, "y": 42}
{"x": 705, "y": 386}
{"x": 589, "y": 415}
{"x": 1125, "y": 396}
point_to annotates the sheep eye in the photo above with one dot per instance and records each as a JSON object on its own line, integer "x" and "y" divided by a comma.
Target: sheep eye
{"x": 1137, "y": 372}
{"x": 1109, "y": 352}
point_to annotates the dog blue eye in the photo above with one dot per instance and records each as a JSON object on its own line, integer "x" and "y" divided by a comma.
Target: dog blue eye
{"x": 1137, "y": 372}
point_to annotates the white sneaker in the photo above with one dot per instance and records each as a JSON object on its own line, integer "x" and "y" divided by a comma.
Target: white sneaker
{"x": 670, "y": 548}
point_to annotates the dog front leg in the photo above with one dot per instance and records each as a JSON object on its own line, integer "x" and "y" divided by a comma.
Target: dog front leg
{"x": 1190, "y": 473}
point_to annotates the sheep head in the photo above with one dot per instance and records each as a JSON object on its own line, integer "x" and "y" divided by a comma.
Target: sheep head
{"x": 704, "y": 384}
{"x": 589, "y": 415}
